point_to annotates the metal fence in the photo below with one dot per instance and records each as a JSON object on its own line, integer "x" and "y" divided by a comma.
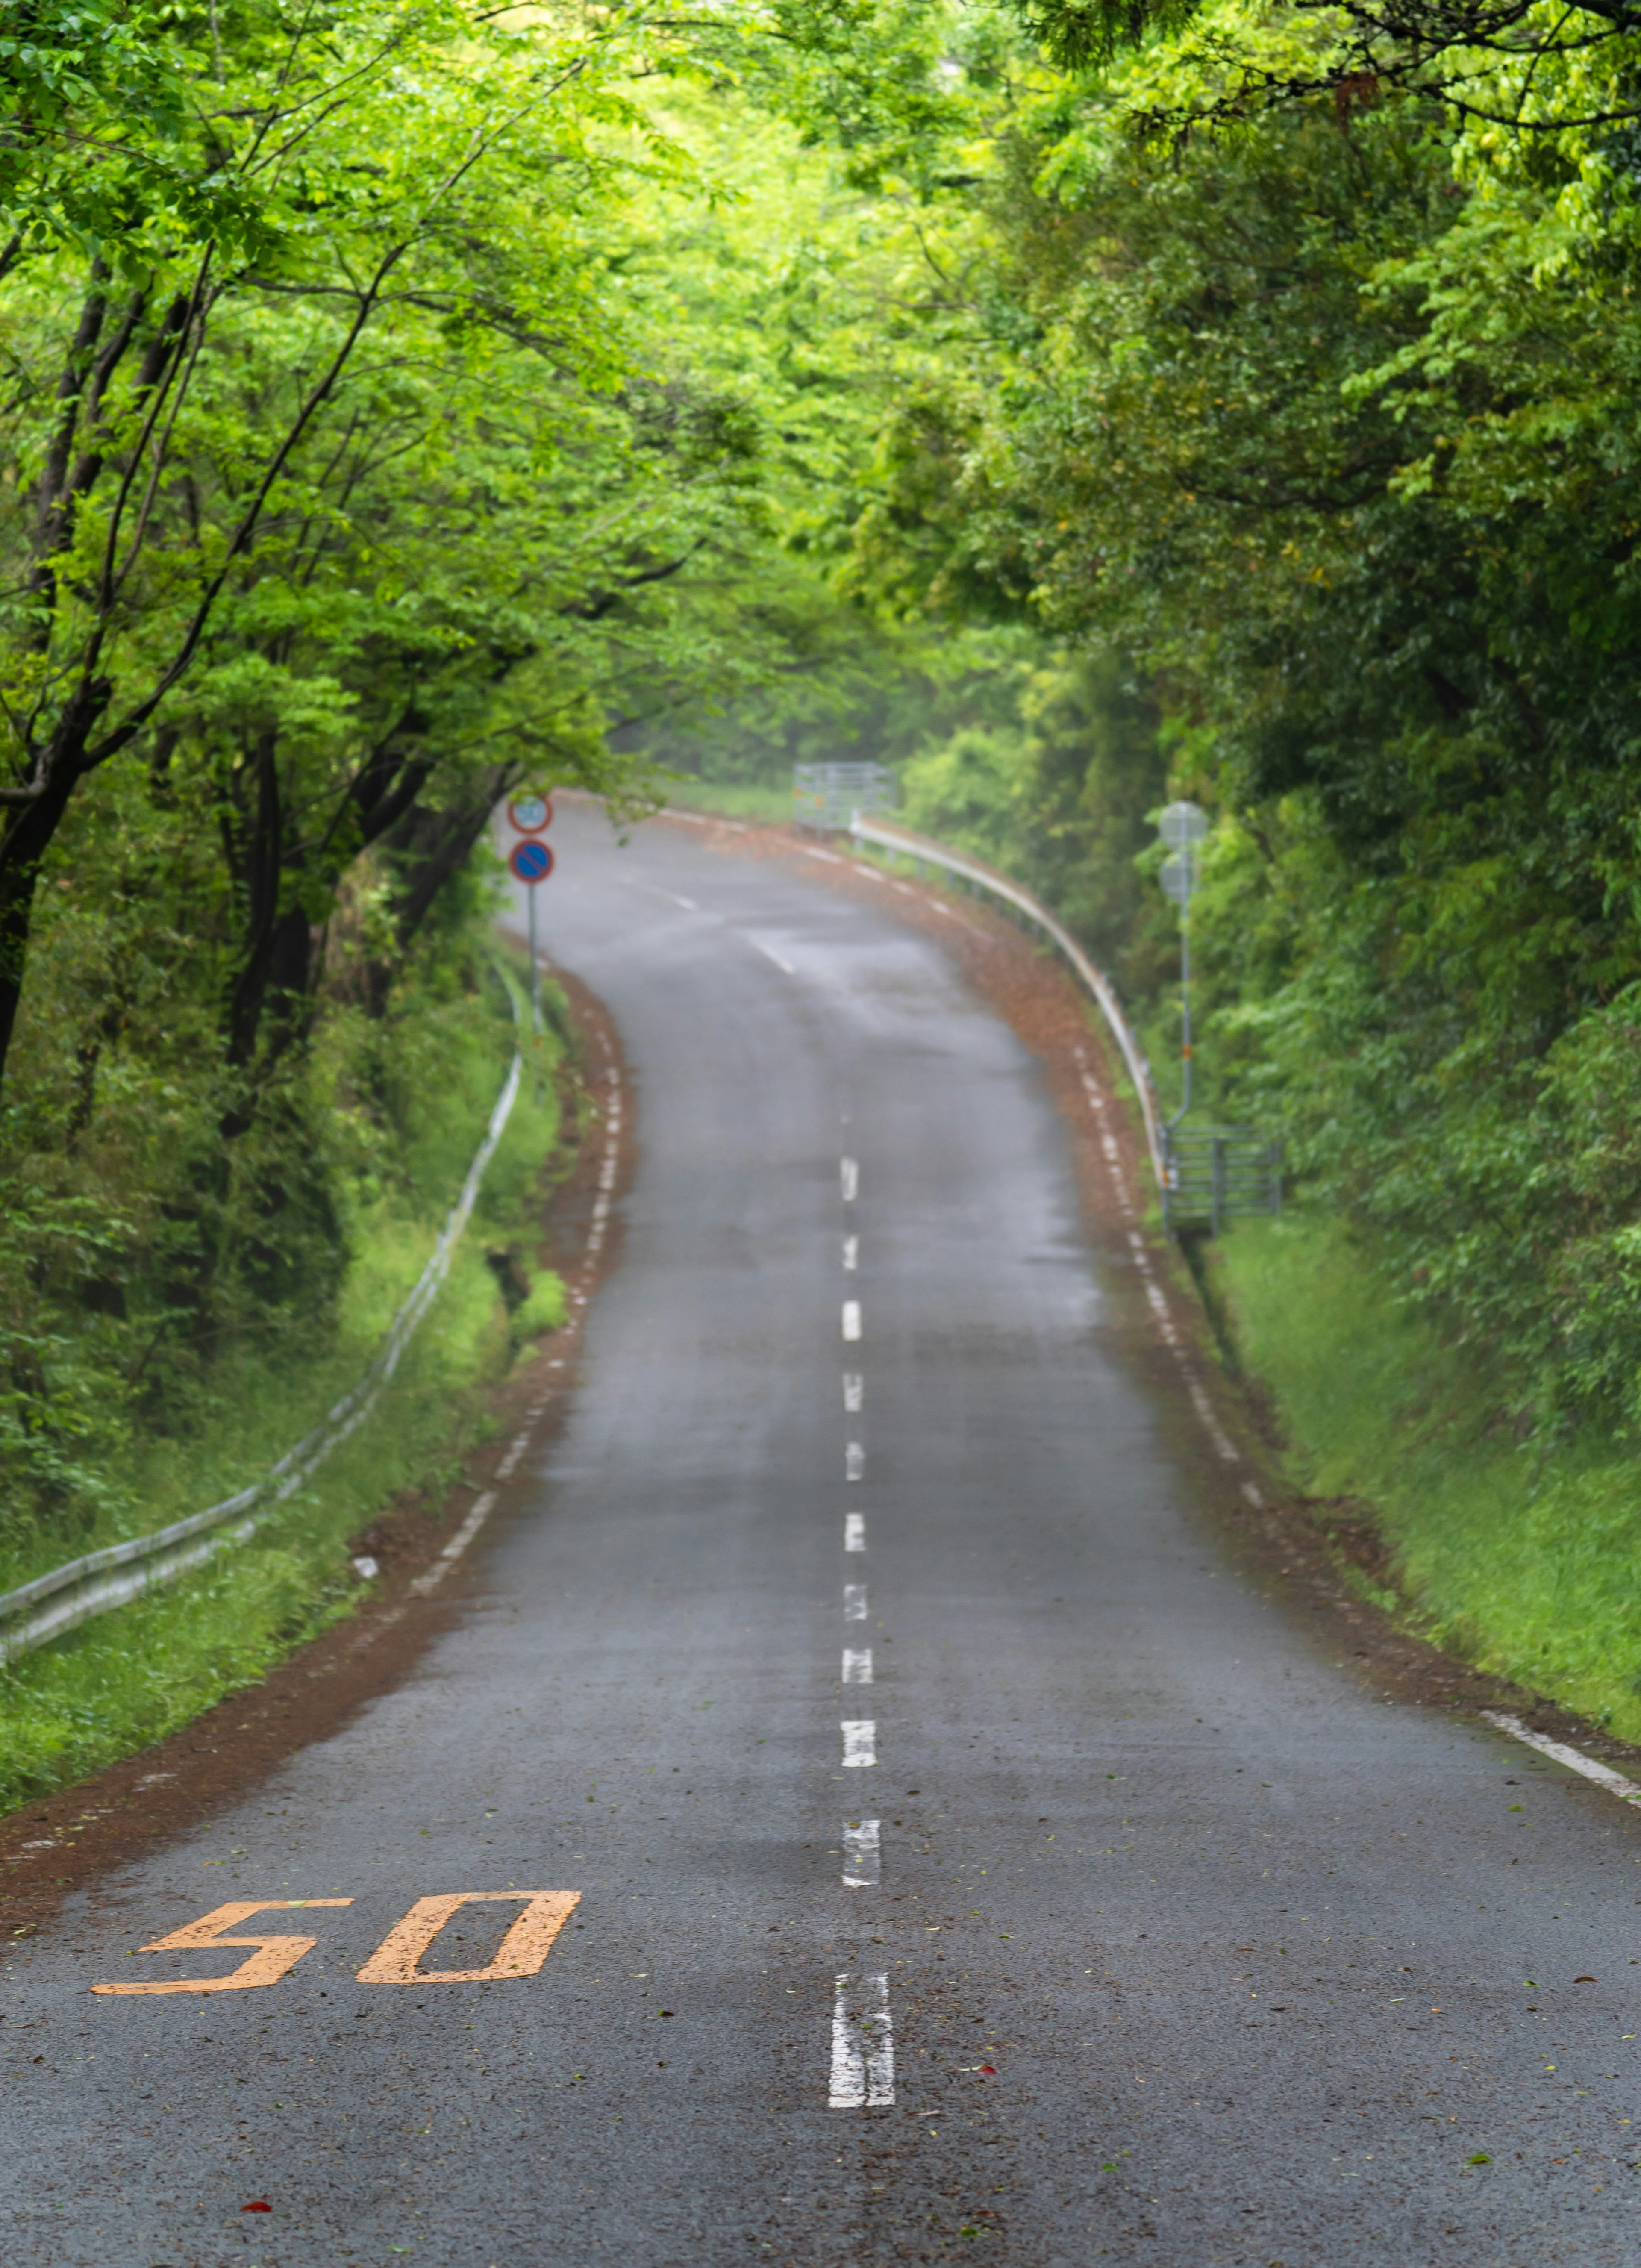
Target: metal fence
{"x": 1214, "y": 1173}
{"x": 830, "y": 795}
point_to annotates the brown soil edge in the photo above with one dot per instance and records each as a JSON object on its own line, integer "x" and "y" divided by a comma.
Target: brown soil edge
{"x": 195, "y": 1773}
{"x": 1311, "y": 1553}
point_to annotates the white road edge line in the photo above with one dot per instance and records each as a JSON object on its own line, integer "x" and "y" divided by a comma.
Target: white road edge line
{"x": 863, "y": 2044}
{"x": 1558, "y": 1752}
{"x": 483, "y": 1506}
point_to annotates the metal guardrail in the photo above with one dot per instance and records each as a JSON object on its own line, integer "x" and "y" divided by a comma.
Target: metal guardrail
{"x": 901, "y": 840}
{"x": 101, "y": 1581}
{"x": 1216, "y": 1174}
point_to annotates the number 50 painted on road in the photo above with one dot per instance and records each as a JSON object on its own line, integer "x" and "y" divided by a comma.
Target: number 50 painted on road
{"x": 528, "y": 1941}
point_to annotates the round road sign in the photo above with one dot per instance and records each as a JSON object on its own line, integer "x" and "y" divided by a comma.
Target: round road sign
{"x": 531, "y": 814}
{"x": 531, "y": 861}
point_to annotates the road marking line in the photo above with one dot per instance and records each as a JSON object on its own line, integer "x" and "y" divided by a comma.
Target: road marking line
{"x": 863, "y": 1854}
{"x": 1253, "y": 1496}
{"x": 831, "y": 857}
{"x": 852, "y": 1319}
{"x": 273, "y": 1957}
{"x": 854, "y": 1531}
{"x": 516, "y": 1449}
{"x": 852, "y": 1252}
{"x": 656, "y": 891}
{"x": 854, "y": 1596}
{"x": 1603, "y": 1775}
{"x": 863, "y": 2045}
{"x": 854, "y": 1462}
{"x": 483, "y": 1506}
{"x": 520, "y": 1953}
{"x": 860, "y": 1740}
{"x": 848, "y": 1173}
{"x": 854, "y": 1391}
{"x": 857, "y": 1665}
{"x": 785, "y": 967}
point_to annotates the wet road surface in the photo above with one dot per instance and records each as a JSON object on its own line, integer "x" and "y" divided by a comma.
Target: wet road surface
{"x": 969, "y": 1862}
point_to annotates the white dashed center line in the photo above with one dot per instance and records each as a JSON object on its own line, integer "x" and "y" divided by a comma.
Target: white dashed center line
{"x": 860, "y": 1740}
{"x": 862, "y": 1869}
{"x": 863, "y": 2044}
{"x": 768, "y": 953}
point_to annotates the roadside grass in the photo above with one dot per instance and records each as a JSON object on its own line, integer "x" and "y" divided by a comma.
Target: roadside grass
{"x": 1523, "y": 1558}
{"x": 125, "y": 1679}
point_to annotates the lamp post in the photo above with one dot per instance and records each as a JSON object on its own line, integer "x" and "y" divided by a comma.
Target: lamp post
{"x": 1182, "y": 827}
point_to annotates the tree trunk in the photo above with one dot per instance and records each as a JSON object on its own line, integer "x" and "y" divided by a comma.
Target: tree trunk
{"x": 28, "y": 838}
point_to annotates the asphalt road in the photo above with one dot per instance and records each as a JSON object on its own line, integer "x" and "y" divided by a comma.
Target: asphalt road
{"x": 1192, "y": 1950}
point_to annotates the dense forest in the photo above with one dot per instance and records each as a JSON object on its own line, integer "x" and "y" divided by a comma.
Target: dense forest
{"x": 1072, "y": 404}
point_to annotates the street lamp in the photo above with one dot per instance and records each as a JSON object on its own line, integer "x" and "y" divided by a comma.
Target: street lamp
{"x": 1182, "y": 827}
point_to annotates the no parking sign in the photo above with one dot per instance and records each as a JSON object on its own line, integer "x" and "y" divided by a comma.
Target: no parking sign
{"x": 532, "y": 862}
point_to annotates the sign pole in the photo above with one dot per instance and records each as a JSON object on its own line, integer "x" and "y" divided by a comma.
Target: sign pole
{"x": 1182, "y": 827}
{"x": 532, "y": 862}
{"x": 1185, "y": 977}
{"x": 535, "y": 971}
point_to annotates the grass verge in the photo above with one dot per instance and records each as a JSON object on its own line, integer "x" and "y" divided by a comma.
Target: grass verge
{"x": 129, "y": 1678}
{"x": 1520, "y": 1558}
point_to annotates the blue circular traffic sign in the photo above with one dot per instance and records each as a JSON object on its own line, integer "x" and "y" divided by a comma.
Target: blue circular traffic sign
{"x": 530, "y": 860}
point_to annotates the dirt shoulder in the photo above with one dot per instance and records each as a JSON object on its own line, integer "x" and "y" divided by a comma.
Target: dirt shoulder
{"x": 51, "y": 1848}
{"x": 1323, "y": 1560}
{"x": 76, "y": 1835}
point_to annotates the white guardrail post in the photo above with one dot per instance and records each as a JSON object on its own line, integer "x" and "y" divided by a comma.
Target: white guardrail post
{"x": 907, "y": 845}
{"x": 119, "y": 1573}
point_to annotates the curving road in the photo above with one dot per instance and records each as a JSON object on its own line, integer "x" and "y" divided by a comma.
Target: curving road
{"x": 1020, "y": 1886}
